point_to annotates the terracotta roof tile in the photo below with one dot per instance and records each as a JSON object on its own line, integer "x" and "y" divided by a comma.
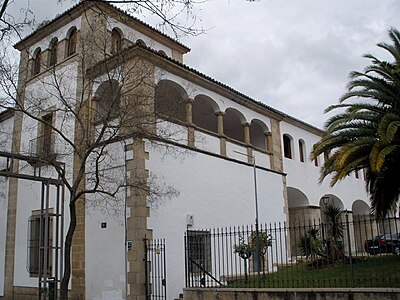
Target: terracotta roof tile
{"x": 68, "y": 11}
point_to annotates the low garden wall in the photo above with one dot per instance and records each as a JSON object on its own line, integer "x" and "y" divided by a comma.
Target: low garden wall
{"x": 290, "y": 294}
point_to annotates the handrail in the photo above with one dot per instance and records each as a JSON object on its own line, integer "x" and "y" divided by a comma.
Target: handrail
{"x": 205, "y": 271}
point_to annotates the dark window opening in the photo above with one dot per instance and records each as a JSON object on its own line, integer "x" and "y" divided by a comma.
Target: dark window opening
{"x": 108, "y": 100}
{"x": 170, "y": 101}
{"x": 287, "y": 146}
{"x": 53, "y": 52}
{"x": 141, "y": 43}
{"x": 39, "y": 256}
{"x": 37, "y": 61}
{"x": 46, "y": 145}
{"x": 73, "y": 37}
{"x": 116, "y": 41}
{"x": 199, "y": 251}
{"x": 301, "y": 150}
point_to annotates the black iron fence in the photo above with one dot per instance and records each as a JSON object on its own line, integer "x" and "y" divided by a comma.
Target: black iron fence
{"x": 156, "y": 269}
{"x": 350, "y": 251}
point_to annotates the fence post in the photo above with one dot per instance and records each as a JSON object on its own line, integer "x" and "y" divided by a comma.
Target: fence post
{"x": 350, "y": 255}
{"x": 146, "y": 280}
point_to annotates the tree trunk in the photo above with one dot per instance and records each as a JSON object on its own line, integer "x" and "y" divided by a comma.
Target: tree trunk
{"x": 67, "y": 252}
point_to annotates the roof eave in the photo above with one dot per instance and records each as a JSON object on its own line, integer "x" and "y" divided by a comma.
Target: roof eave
{"x": 76, "y": 10}
{"x": 220, "y": 87}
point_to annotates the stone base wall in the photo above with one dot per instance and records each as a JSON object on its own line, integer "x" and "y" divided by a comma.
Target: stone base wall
{"x": 24, "y": 293}
{"x": 290, "y": 294}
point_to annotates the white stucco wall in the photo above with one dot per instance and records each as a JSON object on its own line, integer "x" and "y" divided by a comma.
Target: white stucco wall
{"x": 217, "y": 192}
{"x": 305, "y": 176}
{"x": 105, "y": 247}
{"x": 6, "y": 128}
{"x": 28, "y": 200}
{"x": 37, "y": 97}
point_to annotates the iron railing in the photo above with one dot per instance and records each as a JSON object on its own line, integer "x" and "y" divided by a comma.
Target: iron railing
{"x": 297, "y": 255}
{"x": 156, "y": 269}
{"x": 43, "y": 147}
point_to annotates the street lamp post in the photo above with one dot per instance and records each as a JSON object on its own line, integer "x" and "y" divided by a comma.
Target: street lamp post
{"x": 257, "y": 258}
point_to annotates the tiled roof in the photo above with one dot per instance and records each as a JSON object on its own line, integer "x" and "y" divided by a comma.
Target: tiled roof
{"x": 82, "y": 2}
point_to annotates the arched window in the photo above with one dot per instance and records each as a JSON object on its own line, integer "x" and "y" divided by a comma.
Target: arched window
{"x": 257, "y": 134}
{"x": 116, "y": 41}
{"x": 170, "y": 100}
{"x": 37, "y": 61}
{"x": 204, "y": 116}
{"x": 302, "y": 150}
{"x": 108, "y": 96}
{"x": 140, "y": 42}
{"x": 287, "y": 146}
{"x": 72, "y": 40}
{"x": 233, "y": 128}
{"x": 53, "y": 52}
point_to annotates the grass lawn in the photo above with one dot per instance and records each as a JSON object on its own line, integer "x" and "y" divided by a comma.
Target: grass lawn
{"x": 378, "y": 271}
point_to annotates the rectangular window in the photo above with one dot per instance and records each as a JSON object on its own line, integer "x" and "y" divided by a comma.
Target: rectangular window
{"x": 39, "y": 244}
{"x": 316, "y": 161}
{"x": 198, "y": 251}
{"x": 43, "y": 145}
{"x": 46, "y": 143}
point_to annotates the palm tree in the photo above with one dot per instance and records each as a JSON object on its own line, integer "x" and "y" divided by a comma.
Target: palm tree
{"x": 334, "y": 233}
{"x": 365, "y": 133}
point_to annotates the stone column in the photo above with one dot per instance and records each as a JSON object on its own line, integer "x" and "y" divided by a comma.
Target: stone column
{"x": 246, "y": 132}
{"x": 137, "y": 214}
{"x": 220, "y": 118}
{"x": 276, "y": 146}
{"x": 268, "y": 142}
{"x": 189, "y": 121}
{"x": 189, "y": 111}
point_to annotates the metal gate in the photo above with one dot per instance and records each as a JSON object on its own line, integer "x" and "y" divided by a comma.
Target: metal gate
{"x": 156, "y": 269}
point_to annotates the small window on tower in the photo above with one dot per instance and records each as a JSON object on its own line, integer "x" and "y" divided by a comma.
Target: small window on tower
{"x": 53, "y": 52}
{"x": 72, "y": 40}
{"x": 37, "y": 61}
{"x": 116, "y": 41}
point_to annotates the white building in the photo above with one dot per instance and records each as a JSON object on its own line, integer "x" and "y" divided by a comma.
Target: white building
{"x": 74, "y": 65}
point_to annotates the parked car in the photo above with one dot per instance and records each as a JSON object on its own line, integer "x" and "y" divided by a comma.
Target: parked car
{"x": 385, "y": 243}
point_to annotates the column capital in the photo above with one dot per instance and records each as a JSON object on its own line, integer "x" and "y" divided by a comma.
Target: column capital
{"x": 189, "y": 100}
{"x": 219, "y": 113}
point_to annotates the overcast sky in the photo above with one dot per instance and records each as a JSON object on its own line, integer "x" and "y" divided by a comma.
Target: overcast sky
{"x": 293, "y": 55}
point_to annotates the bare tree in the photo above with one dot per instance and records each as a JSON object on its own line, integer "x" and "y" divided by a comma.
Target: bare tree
{"x": 83, "y": 113}
{"x": 177, "y": 16}
{"x": 11, "y": 24}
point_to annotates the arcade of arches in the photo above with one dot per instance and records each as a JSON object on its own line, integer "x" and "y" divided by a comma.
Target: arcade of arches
{"x": 202, "y": 114}
{"x": 302, "y": 215}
